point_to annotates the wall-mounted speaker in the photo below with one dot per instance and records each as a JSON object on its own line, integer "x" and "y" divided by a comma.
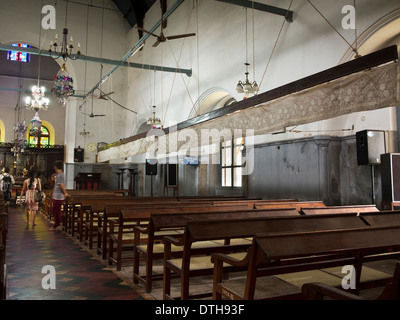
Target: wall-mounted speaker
{"x": 79, "y": 155}
{"x": 151, "y": 167}
{"x": 370, "y": 145}
{"x": 390, "y": 171}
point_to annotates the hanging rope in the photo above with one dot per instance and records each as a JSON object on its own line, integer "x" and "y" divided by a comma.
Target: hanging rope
{"x": 254, "y": 45}
{"x": 275, "y": 45}
{"x": 356, "y": 34}
{"x": 178, "y": 68}
{"x": 198, "y": 51}
{"x": 333, "y": 27}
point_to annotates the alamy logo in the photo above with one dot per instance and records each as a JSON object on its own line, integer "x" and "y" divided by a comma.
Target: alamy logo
{"x": 49, "y": 280}
{"x": 49, "y": 20}
{"x": 349, "y": 20}
{"x": 349, "y": 280}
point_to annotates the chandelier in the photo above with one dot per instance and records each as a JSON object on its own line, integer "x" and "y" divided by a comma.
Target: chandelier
{"x": 38, "y": 100}
{"x": 63, "y": 86}
{"x": 154, "y": 122}
{"x": 246, "y": 86}
{"x": 20, "y": 127}
{"x": 65, "y": 50}
{"x": 36, "y": 126}
{"x": 19, "y": 146}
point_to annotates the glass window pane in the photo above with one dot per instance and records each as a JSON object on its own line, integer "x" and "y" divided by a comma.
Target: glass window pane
{"x": 44, "y": 141}
{"x": 237, "y": 156}
{"x": 45, "y": 131}
{"x": 239, "y": 141}
{"x": 226, "y": 157}
{"x": 237, "y": 176}
{"x": 226, "y": 143}
{"x": 32, "y": 141}
{"x": 227, "y": 177}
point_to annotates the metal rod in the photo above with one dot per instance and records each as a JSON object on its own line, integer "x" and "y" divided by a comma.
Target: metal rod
{"x": 115, "y": 63}
{"x": 30, "y": 92}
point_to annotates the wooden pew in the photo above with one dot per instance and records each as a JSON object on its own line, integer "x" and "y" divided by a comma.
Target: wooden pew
{"x": 74, "y": 204}
{"x": 176, "y": 219}
{"x": 383, "y": 218}
{"x": 276, "y": 254}
{"x": 91, "y": 208}
{"x": 222, "y": 230}
{"x": 286, "y": 205}
{"x": 129, "y": 217}
{"x": 114, "y": 211}
{"x": 318, "y": 291}
{"x": 4, "y": 228}
{"x": 252, "y": 202}
{"x": 340, "y": 209}
{"x": 3, "y": 273}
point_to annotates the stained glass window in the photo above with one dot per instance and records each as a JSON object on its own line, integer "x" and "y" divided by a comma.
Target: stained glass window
{"x": 43, "y": 141}
{"x": 19, "y": 56}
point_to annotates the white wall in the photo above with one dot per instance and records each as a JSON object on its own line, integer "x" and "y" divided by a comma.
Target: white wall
{"x": 216, "y": 55}
{"x": 307, "y": 46}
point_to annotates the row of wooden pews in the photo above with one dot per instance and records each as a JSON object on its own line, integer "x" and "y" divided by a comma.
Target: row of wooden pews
{"x": 219, "y": 239}
{"x": 3, "y": 243}
{"x": 278, "y": 250}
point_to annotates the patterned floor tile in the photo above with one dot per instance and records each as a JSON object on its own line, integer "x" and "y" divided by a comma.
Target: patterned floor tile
{"x": 79, "y": 275}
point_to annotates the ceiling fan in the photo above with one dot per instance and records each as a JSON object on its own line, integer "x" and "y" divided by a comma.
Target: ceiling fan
{"x": 162, "y": 38}
{"x": 104, "y": 96}
{"x": 92, "y": 115}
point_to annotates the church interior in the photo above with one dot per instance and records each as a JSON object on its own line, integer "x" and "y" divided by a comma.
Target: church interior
{"x": 199, "y": 150}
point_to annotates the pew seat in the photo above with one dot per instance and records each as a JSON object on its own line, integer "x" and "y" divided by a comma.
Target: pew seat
{"x": 319, "y": 291}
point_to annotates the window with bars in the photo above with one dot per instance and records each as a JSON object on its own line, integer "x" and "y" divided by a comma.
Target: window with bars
{"x": 43, "y": 141}
{"x": 231, "y": 163}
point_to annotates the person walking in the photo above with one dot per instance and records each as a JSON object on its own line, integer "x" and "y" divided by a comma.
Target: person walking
{"x": 6, "y": 183}
{"x": 31, "y": 185}
{"x": 59, "y": 193}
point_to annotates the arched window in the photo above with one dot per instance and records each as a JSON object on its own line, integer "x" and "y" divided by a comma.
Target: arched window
{"x": 43, "y": 141}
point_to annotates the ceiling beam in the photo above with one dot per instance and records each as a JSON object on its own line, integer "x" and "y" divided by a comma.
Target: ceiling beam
{"x": 288, "y": 14}
{"x": 115, "y": 63}
{"x": 30, "y": 92}
{"x": 139, "y": 44}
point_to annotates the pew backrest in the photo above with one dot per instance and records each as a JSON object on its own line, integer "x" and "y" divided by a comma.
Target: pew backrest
{"x": 341, "y": 209}
{"x": 204, "y": 231}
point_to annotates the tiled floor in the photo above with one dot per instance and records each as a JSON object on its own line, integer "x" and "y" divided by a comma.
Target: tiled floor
{"x": 79, "y": 276}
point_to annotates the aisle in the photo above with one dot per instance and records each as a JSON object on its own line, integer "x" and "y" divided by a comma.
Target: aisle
{"x": 79, "y": 276}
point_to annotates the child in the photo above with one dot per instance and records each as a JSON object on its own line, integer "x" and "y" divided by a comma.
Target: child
{"x": 30, "y": 186}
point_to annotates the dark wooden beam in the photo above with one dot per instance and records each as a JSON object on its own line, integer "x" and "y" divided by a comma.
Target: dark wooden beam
{"x": 372, "y": 60}
{"x": 288, "y": 14}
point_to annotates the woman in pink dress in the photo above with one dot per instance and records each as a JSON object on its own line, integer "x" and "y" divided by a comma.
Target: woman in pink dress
{"x": 30, "y": 186}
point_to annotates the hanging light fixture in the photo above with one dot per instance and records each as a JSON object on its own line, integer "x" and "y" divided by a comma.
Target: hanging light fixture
{"x": 63, "y": 86}
{"x": 36, "y": 126}
{"x": 65, "y": 50}
{"x": 247, "y": 87}
{"x": 154, "y": 122}
{"x": 38, "y": 101}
